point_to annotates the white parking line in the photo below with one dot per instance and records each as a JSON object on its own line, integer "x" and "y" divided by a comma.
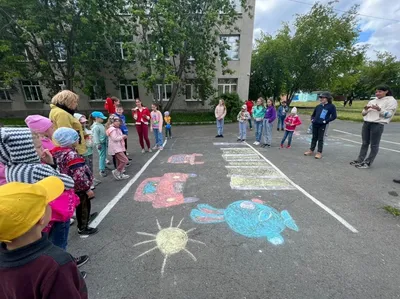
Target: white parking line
{"x": 316, "y": 201}
{"x": 358, "y": 135}
{"x": 384, "y": 148}
{"x": 123, "y": 191}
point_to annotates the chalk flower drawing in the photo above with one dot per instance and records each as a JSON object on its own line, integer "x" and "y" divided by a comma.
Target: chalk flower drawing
{"x": 165, "y": 191}
{"x": 169, "y": 241}
{"x": 185, "y": 159}
{"x": 252, "y": 219}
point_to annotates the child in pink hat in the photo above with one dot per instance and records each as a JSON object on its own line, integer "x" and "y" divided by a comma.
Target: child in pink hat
{"x": 43, "y": 127}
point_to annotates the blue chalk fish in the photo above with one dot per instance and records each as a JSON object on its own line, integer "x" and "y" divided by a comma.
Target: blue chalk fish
{"x": 252, "y": 219}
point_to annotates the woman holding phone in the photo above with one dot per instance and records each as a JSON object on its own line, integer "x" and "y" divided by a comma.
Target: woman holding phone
{"x": 141, "y": 115}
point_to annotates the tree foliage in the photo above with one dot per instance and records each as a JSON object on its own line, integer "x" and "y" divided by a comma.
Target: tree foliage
{"x": 179, "y": 42}
{"x": 53, "y": 40}
{"x": 322, "y": 46}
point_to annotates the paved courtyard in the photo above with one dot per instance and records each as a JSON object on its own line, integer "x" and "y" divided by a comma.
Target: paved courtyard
{"x": 212, "y": 218}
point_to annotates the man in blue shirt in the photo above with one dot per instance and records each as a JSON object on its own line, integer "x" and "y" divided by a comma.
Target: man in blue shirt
{"x": 323, "y": 114}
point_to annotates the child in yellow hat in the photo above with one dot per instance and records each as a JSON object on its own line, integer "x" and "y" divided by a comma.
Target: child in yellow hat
{"x": 47, "y": 270}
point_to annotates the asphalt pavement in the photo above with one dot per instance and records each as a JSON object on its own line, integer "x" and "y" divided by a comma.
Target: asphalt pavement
{"x": 240, "y": 221}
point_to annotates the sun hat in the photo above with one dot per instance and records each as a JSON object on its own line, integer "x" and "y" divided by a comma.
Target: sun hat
{"x": 294, "y": 110}
{"x": 166, "y": 113}
{"x": 244, "y": 107}
{"x": 65, "y": 136}
{"x": 22, "y": 205}
{"x": 80, "y": 117}
{"x": 38, "y": 123}
{"x": 98, "y": 114}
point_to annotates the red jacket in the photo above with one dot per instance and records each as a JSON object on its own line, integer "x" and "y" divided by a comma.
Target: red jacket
{"x": 141, "y": 116}
{"x": 292, "y": 122}
{"x": 249, "y": 105}
{"x": 109, "y": 106}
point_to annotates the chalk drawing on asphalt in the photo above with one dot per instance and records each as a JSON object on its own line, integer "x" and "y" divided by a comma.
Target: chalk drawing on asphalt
{"x": 185, "y": 159}
{"x": 169, "y": 241}
{"x": 165, "y": 191}
{"x": 250, "y": 218}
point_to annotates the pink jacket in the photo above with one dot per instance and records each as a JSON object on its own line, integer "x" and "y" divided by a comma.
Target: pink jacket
{"x": 2, "y": 174}
{"x": 292, "y": 122}
{"x": 116, "y": 142}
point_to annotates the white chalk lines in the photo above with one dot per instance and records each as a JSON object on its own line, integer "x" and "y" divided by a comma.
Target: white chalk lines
{"x": 250, "y": 170}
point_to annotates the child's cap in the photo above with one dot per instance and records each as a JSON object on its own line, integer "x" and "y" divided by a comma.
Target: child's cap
{"x": 65, "y": 136}
{"x": 166, "y": 113}
{"x": 294, "y": 110}
{"x": 113, "y": 118}
{"x": 22, "y": 205}
{"x": 244, "y": 107}
{"x": 38, "y": 123}
{"x": 98, "y": 114}
{"x": 80, "y": 117}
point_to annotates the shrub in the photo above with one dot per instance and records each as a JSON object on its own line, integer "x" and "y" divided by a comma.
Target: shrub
{"x": 232, "y": 102}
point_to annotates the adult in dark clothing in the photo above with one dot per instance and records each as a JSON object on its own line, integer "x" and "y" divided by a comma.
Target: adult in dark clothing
{"x": 323, "y": 114}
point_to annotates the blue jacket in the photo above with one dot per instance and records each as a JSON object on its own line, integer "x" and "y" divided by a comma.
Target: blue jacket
{"x": 282, "y": 111}
{"x": 324, "y": 114}
{"x": 123, "y": 126}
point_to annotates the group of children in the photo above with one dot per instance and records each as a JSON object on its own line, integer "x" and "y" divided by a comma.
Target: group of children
{"x": 263, "y": 120}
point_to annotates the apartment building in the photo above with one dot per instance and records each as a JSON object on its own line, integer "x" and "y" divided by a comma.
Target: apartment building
{"x": 30, "y": 96}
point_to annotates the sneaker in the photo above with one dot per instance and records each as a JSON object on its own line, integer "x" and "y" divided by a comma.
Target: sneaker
{"x": 277, "y": 129}
{"x": 103, "y": 173}
{"x": 355, "y": 162}
{"x": 150, "y": 151}
{"x": 222, "y": 136}
{"x": 251, "y": 129}
{"x": 128, "y": 164}
{"x": 288, "y": 146}
{"x": 254, "y": 142}
{"x": 267, "y": 145}
{"x": 243, "y": 140}
{"x": 87, "y": 231}
{"x": 81, "y": 260}
{"x": 160, "y": 148}
{"x": 239, "y": 139}
{"x": 218, "y": 136}
{"x": 84, "y": 274}
{"x": 308, "y": 153}
{"x": 92, "y": 187}
{"x": 281, "y": 145}
{"x": 108, "y": 162}
{"x": 155, "y": 147}
{"x": 363, "y": 165}
{"x": 257, "y": 143}
{"x": 143, "y": 151}
{"x": 318, "y": 156}
{"x": 71, "y": 221}
{"x": 127, "y": 153}
{"x": 123, "y": 176}
{"x": 397, "y": 181}
{"x": 116, "y": 174}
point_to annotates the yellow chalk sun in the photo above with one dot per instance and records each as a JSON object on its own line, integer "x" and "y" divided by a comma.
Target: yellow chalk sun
{"x": 169, "y": 241}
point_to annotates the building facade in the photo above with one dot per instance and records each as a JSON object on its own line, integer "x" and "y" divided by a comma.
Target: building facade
{"x": 27, "y": 96}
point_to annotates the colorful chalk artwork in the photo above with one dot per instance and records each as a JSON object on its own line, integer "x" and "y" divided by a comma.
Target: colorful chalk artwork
{"x": 250, "y": 218}
{"x": 185, "y": 159}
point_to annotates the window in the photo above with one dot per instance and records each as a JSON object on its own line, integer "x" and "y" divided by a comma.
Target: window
{"x": 238, "y": 5}
{"x": 32, "y": 91}
{"x": 165, "y": 94}
{"x": 192, "y": 92}
{"x": 4, "y": 95}
{"x": 122, "y": 50}
{"x": 227, "y": 86}
{"x": 98, "y": 91}
{"x": 232, "y": 41}
{"x": 129, "y": 90}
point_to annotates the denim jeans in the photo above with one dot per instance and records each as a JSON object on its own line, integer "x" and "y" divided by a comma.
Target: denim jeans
{"x": 242, "y": 130}
{"x": 220, "y": 126}
{"x": 371, "y": 136}
{"x": 158, "y": 137}
{"x": 288, "y": 134}
{"x": 59, "y": 234}
{"x": 250, "y": 123}
{"x": 281, "y": 122}
{"x": 259, "y": 128}
{"x": 267, "y": 132}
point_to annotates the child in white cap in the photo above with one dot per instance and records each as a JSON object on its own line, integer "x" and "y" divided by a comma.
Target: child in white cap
{"x": 242, "y": 117}
{"x": 291, "y": 122}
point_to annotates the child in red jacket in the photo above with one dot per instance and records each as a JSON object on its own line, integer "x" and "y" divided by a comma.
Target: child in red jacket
{"x": 291, "y": 122}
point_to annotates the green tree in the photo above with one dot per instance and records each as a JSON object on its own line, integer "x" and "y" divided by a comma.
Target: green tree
{"x": 53, "y": 40}
{"x": 179, "y": 42}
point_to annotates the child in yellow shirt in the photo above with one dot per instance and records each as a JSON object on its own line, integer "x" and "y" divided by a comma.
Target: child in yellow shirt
{"x": 167, "y": 121}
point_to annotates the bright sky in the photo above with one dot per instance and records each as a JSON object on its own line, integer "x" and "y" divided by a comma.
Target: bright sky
{"x": 381, "y": 34}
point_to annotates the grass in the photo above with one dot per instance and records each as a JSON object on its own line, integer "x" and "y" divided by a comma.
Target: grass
{"x": 12, "y": 122}
{"x": 392, "y": 210}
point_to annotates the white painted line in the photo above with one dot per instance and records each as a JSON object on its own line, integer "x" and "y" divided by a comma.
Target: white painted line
{"x": 358, "y": 135}
{"x": 384, "y": 148}
{"x": 123, "y": 191}
{"x": 245, "y": 149}
{"x": 234, "y": 187}
{"x": 250, "y": 167}
{"x": 316, "y": 201}
{"x": 255, "y": 177}
{"x": 240, "y": 155}
{"x": 229, "y": 143}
